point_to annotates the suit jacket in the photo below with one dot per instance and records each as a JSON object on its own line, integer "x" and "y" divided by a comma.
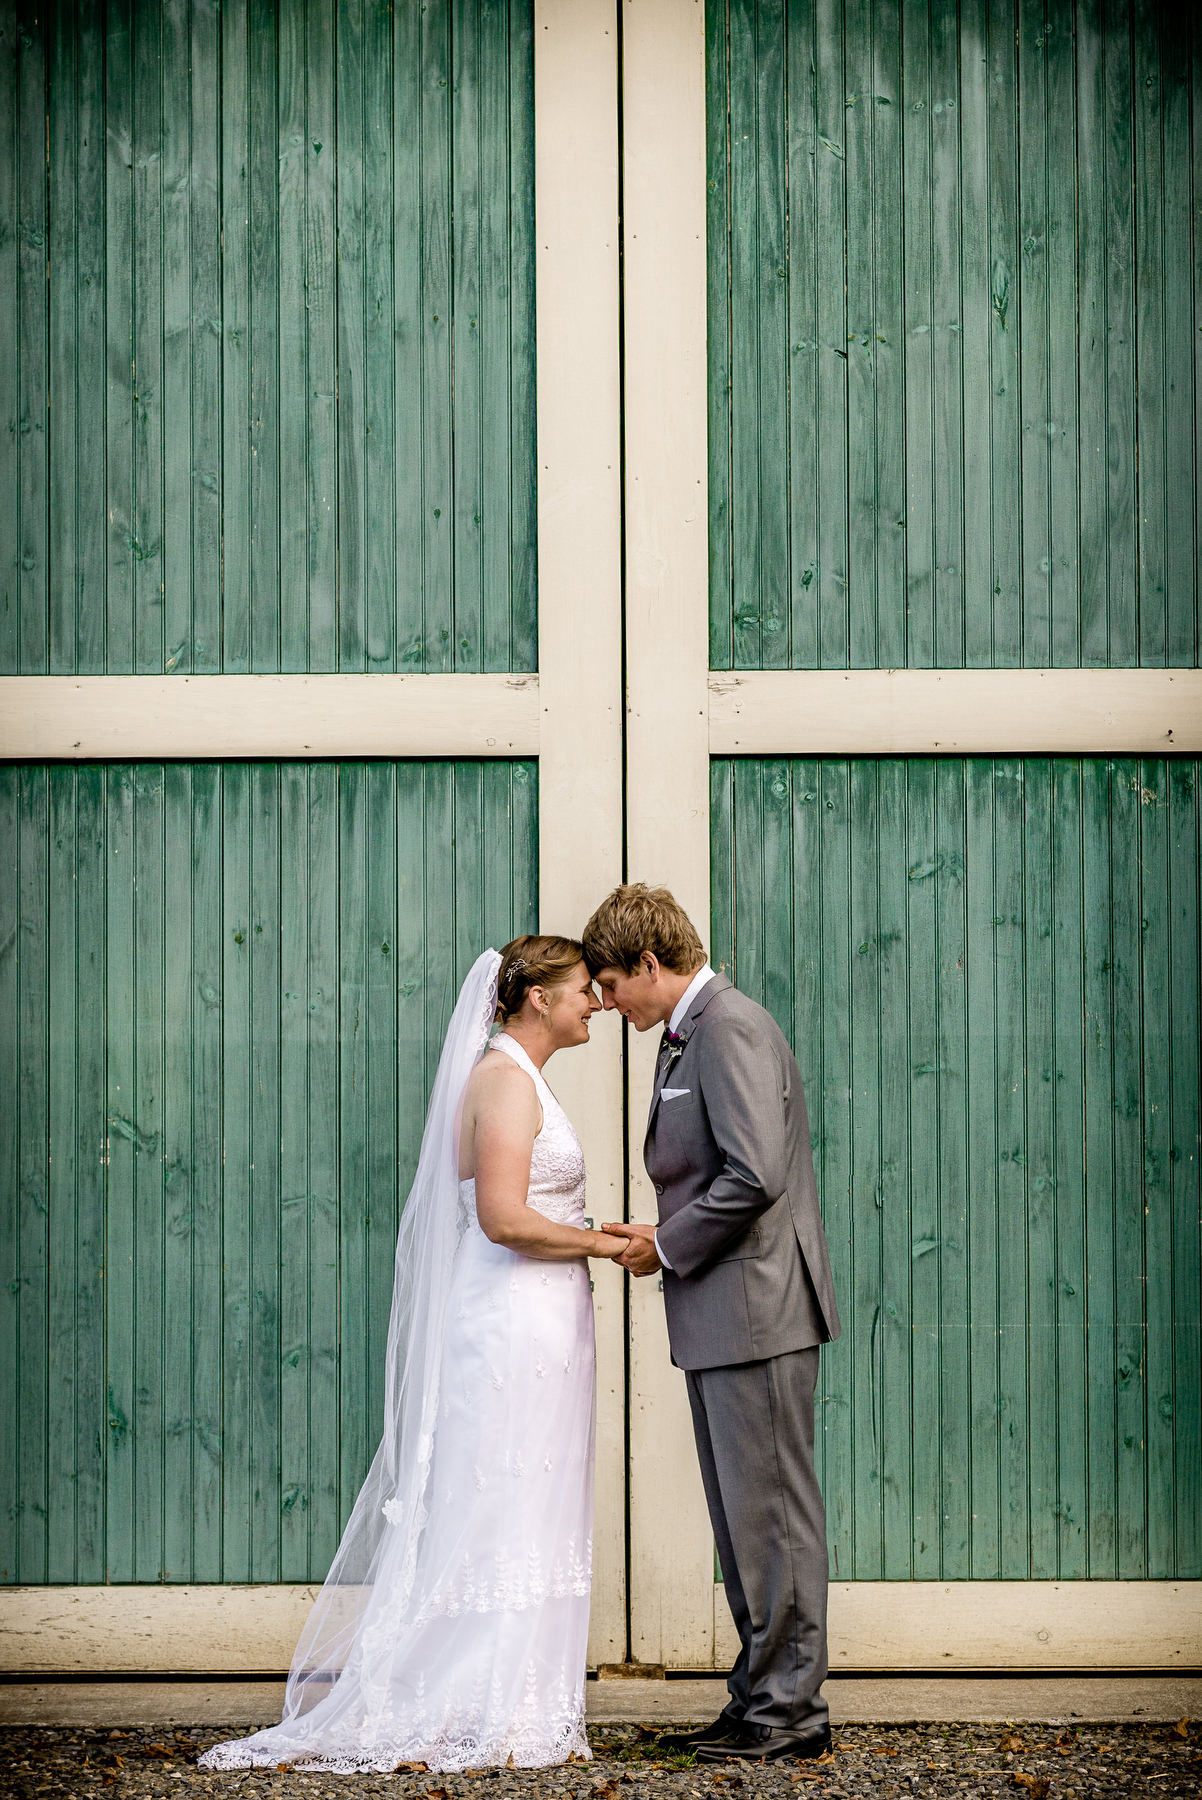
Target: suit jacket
{"x": 738, "y": 1206}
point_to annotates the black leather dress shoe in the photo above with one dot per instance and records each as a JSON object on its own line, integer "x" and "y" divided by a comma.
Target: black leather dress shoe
{"x": 765, "y": 1743}
{"x": 723, "y": 1725}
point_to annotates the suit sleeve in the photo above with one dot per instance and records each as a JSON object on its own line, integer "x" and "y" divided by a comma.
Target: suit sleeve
{"x": 741, "y": 1084}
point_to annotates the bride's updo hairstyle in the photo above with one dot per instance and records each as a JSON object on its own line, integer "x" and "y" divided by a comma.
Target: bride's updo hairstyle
{"x": 530, "y": 962}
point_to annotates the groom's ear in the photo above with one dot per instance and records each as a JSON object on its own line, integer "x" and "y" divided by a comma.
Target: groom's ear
{"x": 650, "y": 961}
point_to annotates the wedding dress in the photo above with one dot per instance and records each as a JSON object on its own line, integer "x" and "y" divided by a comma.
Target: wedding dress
{"x": 465, "y": 1646}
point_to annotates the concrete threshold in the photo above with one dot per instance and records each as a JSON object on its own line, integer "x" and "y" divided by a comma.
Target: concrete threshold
{"x": 893, "y": 1700}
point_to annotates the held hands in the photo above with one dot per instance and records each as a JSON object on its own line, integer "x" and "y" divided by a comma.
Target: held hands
{"x": 640, "y": 1256}
{"x": 610, "y": 1242}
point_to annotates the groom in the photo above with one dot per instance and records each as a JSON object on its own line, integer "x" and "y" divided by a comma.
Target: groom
{"x": 748, "y": 1296}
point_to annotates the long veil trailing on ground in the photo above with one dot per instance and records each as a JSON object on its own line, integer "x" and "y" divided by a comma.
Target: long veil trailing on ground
{"x": 338, "y": 1688}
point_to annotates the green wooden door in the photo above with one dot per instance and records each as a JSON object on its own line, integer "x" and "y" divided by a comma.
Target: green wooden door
{"x": 953, "y": 337}
{"x": 269, "y": 408}
{"x": 989, "y": 968}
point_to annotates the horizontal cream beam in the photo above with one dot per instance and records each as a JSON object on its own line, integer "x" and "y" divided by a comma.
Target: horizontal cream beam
{"x": 1036, "y": 1625}
{"x": 235, "y": 1630}
{"x": 779, "y": 712}
{"x": 923, "y": 712}
{"x": 81, "y": 717}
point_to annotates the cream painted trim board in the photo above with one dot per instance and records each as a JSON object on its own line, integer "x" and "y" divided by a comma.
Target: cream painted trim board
{"x": 779, "y": 712}
{"x": 242, "y": 1630}
{"x": 580, "y": 646}
{"x": 81, "y": 717}
{"x": 923, "y": 712}
{"x": 667, "y": 807}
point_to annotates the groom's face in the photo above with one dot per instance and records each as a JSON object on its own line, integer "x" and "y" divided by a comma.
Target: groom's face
{"x": 638, "y": 994}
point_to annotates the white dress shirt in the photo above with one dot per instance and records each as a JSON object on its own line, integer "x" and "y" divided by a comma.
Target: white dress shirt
{"x": 679, "y": 1012}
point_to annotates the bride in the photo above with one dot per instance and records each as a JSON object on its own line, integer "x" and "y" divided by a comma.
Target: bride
{"x": 452, "y": 1626}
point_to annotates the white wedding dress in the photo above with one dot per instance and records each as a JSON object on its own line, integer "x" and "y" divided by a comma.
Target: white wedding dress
{"x": 475, "y": 1654}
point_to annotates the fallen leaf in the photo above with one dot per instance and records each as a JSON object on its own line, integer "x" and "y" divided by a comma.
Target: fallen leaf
{"x": 1038, "y": 1786}
{"x": 841, "y": 1745}
{"x": 1182, "y": 1728}
{"x": 882, "y": 1751}
{"x": 828, "y": 1757}
{"x": 1011, "y": 1741}
{"x": 437, "y": 1794}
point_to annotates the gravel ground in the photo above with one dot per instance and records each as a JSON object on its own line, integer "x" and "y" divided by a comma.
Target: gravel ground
{"x": 1028, "y": 1762}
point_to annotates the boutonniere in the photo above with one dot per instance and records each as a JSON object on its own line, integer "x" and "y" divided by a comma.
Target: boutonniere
{"x": 676, "y": 1042}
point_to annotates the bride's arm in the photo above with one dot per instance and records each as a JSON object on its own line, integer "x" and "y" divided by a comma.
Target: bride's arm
{"x": 507, "y": 1118}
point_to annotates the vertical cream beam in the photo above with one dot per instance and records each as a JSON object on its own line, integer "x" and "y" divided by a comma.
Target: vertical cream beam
{"x": 667, "y": 644}
{"x": 580, "y": 645}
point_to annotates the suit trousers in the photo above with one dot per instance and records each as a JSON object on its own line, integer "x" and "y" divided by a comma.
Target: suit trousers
{"x": 754, "y": 1425}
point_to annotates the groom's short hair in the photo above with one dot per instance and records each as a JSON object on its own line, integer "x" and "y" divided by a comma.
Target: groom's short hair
{"x": 635, "y": 918}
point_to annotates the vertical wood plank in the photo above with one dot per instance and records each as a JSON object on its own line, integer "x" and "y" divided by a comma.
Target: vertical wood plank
{"x": 321, "y": 1115}
{"x": 1121, "y": 483}
{"x": 32, "y": 322}
{"x": 436, "y": 535}
{"x": 63, "y": 277}
{"x": 408, "y": 302}
{"x": 719, "y": 316}
{"x": 523, "y": 487}
{"x": 10, "y": 515}
{"x": 150, "y": 1323}
{"x": 121, "y": 1137}
{"x": 381, "y": 548}
{"x": 31, "y": 1207}
{"x": 90, "y": 1431}
{"x": 239, "y": 1029}
{"x": 981, "y": 1080}
{"x": 979, "y": 325}
{"x": 1068, "y": 1072}
{"x": 66, "y": 1278}
{"x": 1185, "y": 1017}
{"x": 10, "y": 1257}
{"x": 179, "y": 627}
{"x": 1099, "y": 1161}
{"x": 349, "y": 228}
{"x": 1042, "y": 1174}
{"x": 267, "y": 596}
{"x": 1128, "y": 1100}
{"x": 951, "y": 1058}
{"x": 320, "y": 279}
{"x": 1157, "y": 1141}
{"x": 873, "y": 798}
{"x": 265, "y": 1449}
{"x": 179, "y": 1135}
{"x": 1092, "y": 333}
{"x": 207, "y": 1020}
{"x": 147, "y": 524}
{"x": 833, "y": 326}
{"x": 236, "y": 362}
{"x": 467, "y": 283}
{"x": 205, "y": 334}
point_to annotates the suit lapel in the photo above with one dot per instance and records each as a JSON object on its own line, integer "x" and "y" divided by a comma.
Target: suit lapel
{"x": 663, "y": 1062}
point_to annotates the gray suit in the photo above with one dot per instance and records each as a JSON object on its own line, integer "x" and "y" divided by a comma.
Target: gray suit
{"x": 749, "y": 1297}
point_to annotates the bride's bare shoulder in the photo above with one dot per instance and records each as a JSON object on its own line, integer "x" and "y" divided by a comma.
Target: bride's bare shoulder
{"x": 498, "y": 1081}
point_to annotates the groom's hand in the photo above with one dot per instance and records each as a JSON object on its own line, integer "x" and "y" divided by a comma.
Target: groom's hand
{"x": 641, "y": 1257}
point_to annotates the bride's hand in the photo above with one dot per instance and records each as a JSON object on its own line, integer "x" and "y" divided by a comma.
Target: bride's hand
{"x": 609, "y": 1245}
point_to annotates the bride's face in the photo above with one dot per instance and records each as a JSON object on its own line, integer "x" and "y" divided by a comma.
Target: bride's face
{"x": 570, "y": 1006}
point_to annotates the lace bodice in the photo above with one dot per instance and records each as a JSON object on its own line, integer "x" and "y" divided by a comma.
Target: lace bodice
{"x": 556, "y": 1161}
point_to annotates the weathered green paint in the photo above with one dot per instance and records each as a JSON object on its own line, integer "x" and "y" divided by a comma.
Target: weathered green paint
{"x": 990, "y": 971}
{"x": 237, "y": 244}
{"x": 230, "y": 983}
{"x": 953, "y": 334}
